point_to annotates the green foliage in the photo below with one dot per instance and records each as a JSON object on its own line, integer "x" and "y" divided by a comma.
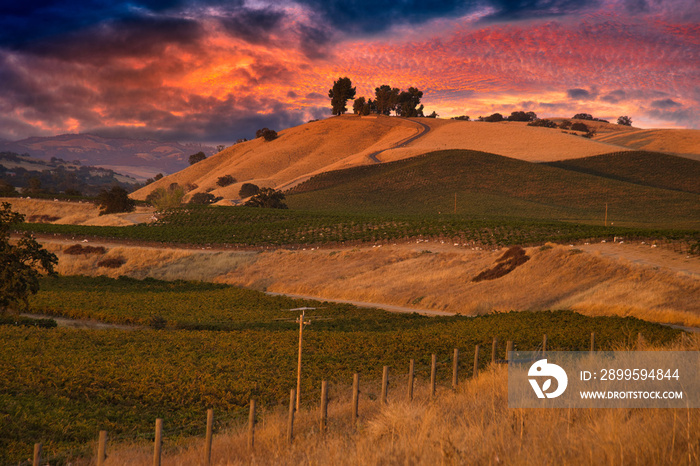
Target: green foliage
{"x": 166, "y": 198}
{"x": 340, "y": 93}
{"x": 268, "y": 198}
{"x": 114, "y": 201}
{"x": 198, "y": 157}
{"x": 249, "y": 348}
{"x": 20, "y": 263}
{"x": 204, "y": 199}
{"x": 624, "y": 121}
{"x": 248, "y": 189}
{"x": 386, "y": 99}
{"x": 267, "y": 134}
{"x": 225, "y": 180}
{"x": 407, "y": 103}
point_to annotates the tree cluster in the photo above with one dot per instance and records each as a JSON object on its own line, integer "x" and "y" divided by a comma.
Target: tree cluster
{"x": 387, "y": 99}
{"x": 114, "y": 201}
{"x": 268, "y": 198}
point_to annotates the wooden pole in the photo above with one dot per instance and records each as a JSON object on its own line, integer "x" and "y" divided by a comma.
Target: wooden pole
{"x": 544, "y": 344}
{"x": 37, "y": 454}
{"x": 158, "y": 444}
{"x": 606, "y": 214}
{"x": 385, "y": 383}
{"x": 509, "y": 349}
{"x": 251, "y": 425}
{"x": 324, "y": 406}
{"x": 592, "y": 342}
{"x": 355, "y": 397}
{"x": 290, "y": 422}
{"x": 411, "y": 367}
{"x": 102, "y": 448}
{"x": 207, "y": 441}
{"x": 455, "y": 368}
{"x": 301, "y": 337}
{"x": 475, "y": 373}
{"x": 433, "y": 373}
{"x": 494, "y": 351}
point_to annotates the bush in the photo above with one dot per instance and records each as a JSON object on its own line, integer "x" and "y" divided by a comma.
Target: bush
{"x": 225, "y": 180}
{"x": 268, "y": 198}
{"x": 583, "y": 116}
{"x": 204, "y": 199}
{"x": 78, "y": 249}
{"x": 461, "y": 117}
{"x": 163, "y": 199}
{"x": 198, "y": 157}
{"x": 579, "y": 127}
{"x": 496, "y": 117}
{"x": 543, "y": 123}
{"x": 624, "y": 121}
{"x": 114, "y": 201}
{"x": 566, "y": 124}
{"x": 248, "y": 189}
{"x": 266, "y": 133}
{"x": 522, "y": 116}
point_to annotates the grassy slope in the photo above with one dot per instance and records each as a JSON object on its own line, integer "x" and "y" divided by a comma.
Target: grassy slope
{"x": 646, "y": 168}
{"x": 488, "y": 184}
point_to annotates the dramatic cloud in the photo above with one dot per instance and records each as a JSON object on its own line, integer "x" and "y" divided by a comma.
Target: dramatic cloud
{"x": 214, "y": 71}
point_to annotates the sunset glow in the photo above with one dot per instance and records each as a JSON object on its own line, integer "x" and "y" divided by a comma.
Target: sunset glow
{"x": 194, "y": 71}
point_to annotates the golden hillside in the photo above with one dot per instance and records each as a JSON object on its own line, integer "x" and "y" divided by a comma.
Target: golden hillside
{"x": 349, "y": 140}
{"x": 683, "y": 142}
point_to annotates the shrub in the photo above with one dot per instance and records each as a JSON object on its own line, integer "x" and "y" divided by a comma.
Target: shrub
{"x": 496, "y": 117}
{"x": 268, "y": 198}
{"x": 461, "y": 117}
{"x": 248, "y": 189}
{"x": 198, "y": 157}
{"x": 579, "y": 127}
{"x": 266, "y": 133}
{"x": 163, "y": 199}
{"x": 543, "y": 123}
{"x": 114, "y": 201}
{"x": 566, "y": 124}
{"x": 624, "y": 121}
{"x": 522, "y": 116}
{"x": 78, "y": 249}
{"x": 225, "y": 180}
{"x": 204, "y": 199}
{"x": 583, "y": 116}
{"x": 113, "y": 263}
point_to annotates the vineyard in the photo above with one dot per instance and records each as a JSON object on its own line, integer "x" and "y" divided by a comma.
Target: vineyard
{"x": 249, "y": 226}
{"x": 200, "y": 345}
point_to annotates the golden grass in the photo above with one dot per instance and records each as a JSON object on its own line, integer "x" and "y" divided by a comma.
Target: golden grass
{"x": 470, "y": 426}
{"x": 409, "y": 275}
{"x": 76, "y": 213}
{"x": 685, "y": 142}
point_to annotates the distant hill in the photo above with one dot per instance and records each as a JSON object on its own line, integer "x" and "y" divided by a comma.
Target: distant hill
{"x": 58, "y": 175}
{"x": 138, "y": 158}
{"x": 683, "y": 142}
{"x": 646, "y": 168}
{"x": 494, "y": 186}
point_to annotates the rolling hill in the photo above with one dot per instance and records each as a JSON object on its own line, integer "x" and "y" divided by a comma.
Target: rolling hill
{"x": 495, "y": 186}
{"x": 683, "y": 142}
{"x": 349, "y": 140}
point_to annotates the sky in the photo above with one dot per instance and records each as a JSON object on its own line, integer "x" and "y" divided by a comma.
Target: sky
{"x": 214, "y": 71}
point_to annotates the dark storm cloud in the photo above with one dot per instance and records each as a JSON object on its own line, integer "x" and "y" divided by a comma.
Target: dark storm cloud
{"x": 614, "y": 96}
{"x": 665, "y": 104}
{"x": 253, "y": 26}
{"x": 579, "y": 94}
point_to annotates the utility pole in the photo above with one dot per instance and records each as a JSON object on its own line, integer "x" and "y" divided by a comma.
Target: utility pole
{"x": 301, "y": 323}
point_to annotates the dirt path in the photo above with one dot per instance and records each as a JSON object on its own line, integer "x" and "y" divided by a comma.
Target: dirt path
{"x": 404, "y": 143}
{"x": 83, "y": 324}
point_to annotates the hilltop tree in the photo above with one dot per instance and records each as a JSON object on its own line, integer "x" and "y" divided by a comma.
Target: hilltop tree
{"x": 358, "y": 105}
{"x": 114, "y": 201}
{"x": 266, "y": 133}
{"x": 522, "y": 116}
{"x": 583, "y": 116}
{"x": 340, "y": 93}
{"x": 386, "y": 99}
{"x": 624, "y": 121}
{"x": 21, "y": 263}
{"x": 407, "y": 103}
{"x": 198, "y": 157}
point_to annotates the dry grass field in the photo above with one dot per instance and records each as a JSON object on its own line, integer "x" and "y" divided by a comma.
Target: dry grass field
{"x": 636, "y": 280}
{"x": 684, "y": 142}
{"x": 470, "y": 426}
{"x": 74, "y": 213}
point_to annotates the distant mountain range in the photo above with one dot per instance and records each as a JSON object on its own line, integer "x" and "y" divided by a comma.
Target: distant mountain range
{"x": 136, "y": 158}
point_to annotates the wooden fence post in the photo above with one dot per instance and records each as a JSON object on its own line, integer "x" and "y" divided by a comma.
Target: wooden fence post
{"x": 411, "y": 366}
{"x": 37, "y": 454}
{"x": 544, "y": 344}
{"x": 324, "y": 406}
{"x": 251, "y": 425}
{"x": 475, "y": 373}
{"x": 385, "y": 383}
{"x": 455, "y": 368}
{"x": 433, "y": 373}
{"x": 592, "y": 342}
{"x": 509, "y": 349}
{"x": 494, "y": 351}
{"x": 355, "y": 397}
{"x": 158, "y": 443}
{"x": 207, "y": 441}
{"x": 102, "y": 448}
{"x": 290, "y": 422}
